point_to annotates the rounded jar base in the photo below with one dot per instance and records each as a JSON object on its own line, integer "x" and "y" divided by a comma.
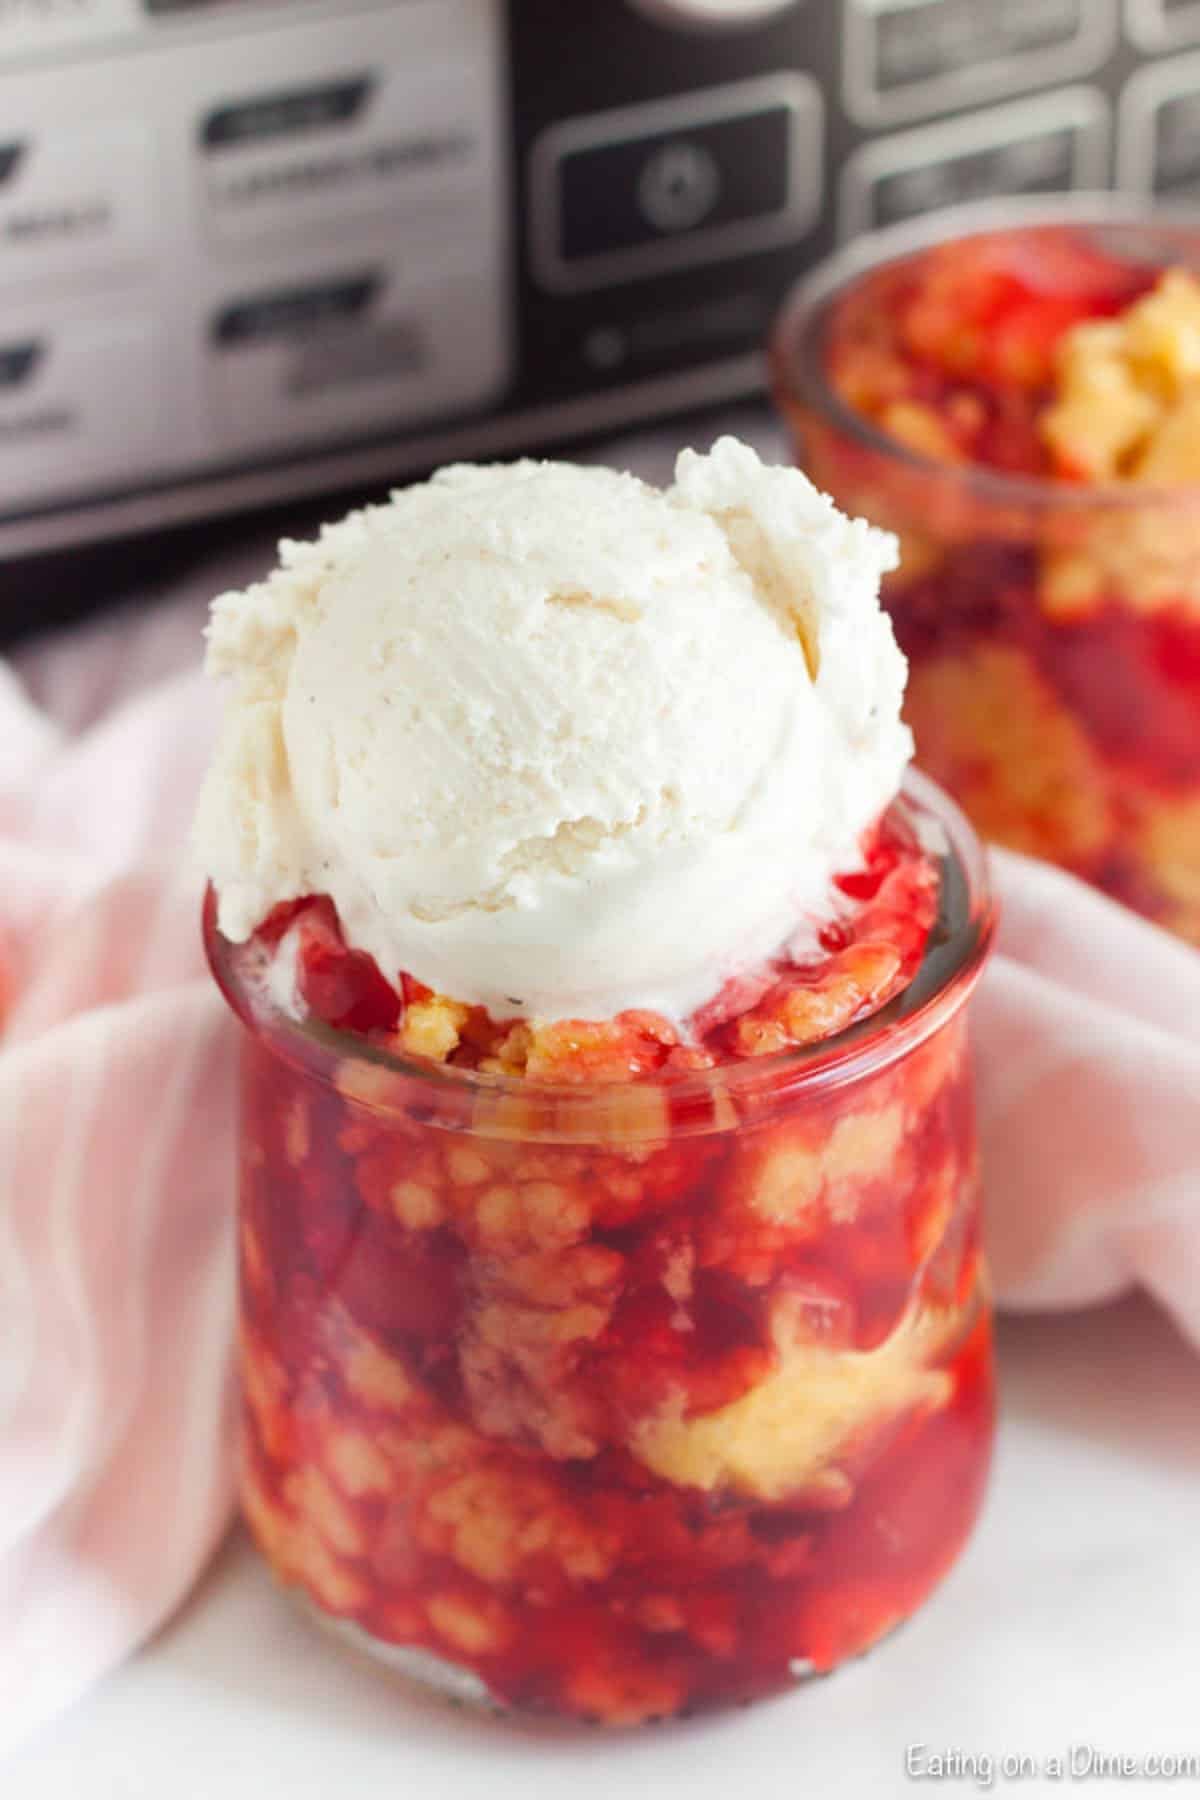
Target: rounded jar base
{"x": 427, "y": 1675}
{"x": 412, "y": 1666}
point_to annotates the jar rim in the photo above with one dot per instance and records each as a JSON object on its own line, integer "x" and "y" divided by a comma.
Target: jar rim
{"x": 798, "y": 368}
{"x": 949, "y": 971}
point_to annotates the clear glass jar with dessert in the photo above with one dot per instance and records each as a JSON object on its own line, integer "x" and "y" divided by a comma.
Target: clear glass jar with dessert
{"x": 591, "y": 1371}
{"x": 1014, "y": 390}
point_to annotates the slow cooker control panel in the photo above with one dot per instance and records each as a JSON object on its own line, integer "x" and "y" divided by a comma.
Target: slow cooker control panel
{"x": 255, "y": 248}
{"x": 213, "y": 251}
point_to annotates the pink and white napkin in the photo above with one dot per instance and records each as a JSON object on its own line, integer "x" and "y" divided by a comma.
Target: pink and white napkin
{"x": 116, "y": 1134}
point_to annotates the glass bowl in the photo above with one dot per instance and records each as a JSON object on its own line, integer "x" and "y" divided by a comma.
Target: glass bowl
{"x": 619, "y": 1401}
{"x": 1052, "y": 628}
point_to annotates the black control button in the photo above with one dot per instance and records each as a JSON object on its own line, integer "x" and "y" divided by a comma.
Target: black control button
{"x": 698, "y": 178}
{"x": 11, "y": 158}
{"x": 18, "y": 362}
{"x": 621, "y": 196}
{"x": 293, "y": 312}
{"x": 268, "y": 117}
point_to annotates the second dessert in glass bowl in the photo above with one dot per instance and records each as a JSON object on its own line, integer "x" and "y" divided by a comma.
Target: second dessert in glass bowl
{"x": 1015, "y": 391}
{"x": 615, "y": 1335}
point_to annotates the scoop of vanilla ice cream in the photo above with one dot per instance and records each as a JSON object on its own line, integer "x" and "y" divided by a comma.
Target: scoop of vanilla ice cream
{"x": 555, "y": 741}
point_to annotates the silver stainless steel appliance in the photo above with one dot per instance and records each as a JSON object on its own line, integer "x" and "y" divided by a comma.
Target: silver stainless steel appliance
{"x": 252, "y": 250}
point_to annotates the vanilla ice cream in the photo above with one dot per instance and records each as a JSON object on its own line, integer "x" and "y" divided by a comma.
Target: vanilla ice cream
{"x": 558, "y": 742}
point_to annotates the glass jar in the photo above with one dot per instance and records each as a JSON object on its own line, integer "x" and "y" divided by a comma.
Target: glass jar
{"x": 1052, "y": 629}
{"x": 619, "y": 1401}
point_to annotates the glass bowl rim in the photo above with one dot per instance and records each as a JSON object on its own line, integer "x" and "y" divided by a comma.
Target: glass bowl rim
{"x": 798, "y": 373}
{"x": 948, "y": 974}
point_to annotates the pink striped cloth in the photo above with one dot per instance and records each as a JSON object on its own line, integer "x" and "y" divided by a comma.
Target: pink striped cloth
{"x": 116, "y": 1309}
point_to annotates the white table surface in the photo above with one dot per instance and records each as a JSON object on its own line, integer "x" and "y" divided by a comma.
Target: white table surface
{"x": 1074, "y": 1619}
